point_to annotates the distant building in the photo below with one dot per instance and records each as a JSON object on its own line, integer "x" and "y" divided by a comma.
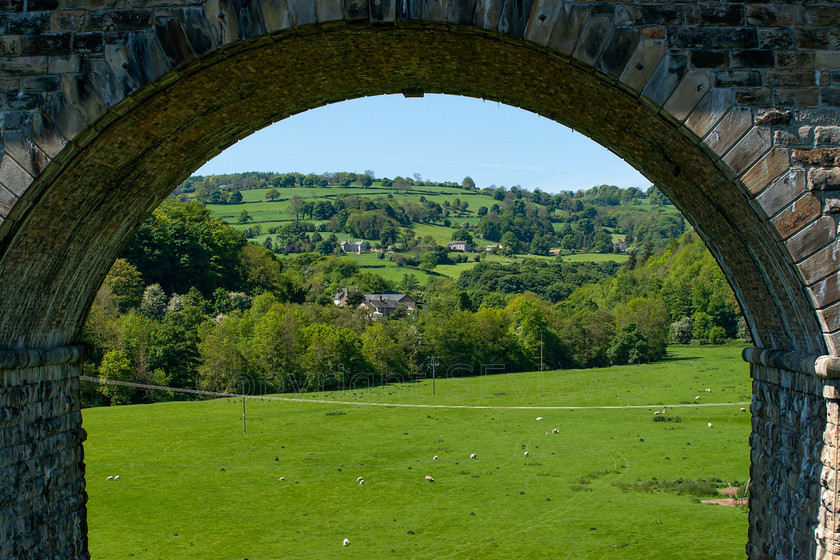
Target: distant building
{"x": 462, "y": 246}
{"x": 341, "y": 295}
{"x": 554, "y": 252}
{"x": 493, "y": 246}
{"x": 354, "y": 246}
{"x": 383, "y": 305}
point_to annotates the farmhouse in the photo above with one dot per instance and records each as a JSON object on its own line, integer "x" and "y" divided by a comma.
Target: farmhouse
{"x": 383, "y": 305}
{"x": 462, "y": 246}
{"x": 354, "y": 246}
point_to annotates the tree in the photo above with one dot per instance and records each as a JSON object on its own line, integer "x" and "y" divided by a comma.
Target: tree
{"x": 236, "y": 197}
{"x": 126, "y": 284}
{"x": 244, "y": 217}
{"x": 116, "y": 366}
{"x": 629, "y": 346}
{"x": 462, "y": 234}
{"x": 295, "y": 205}
{"x": 272, "y": 194}
{"x": 428, "y": 261}
{"x": 468, "y": 182}
{"x": 154, "y": 302}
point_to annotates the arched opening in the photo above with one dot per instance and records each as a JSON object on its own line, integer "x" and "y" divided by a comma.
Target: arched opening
{"x": 133, "y": 156}
{"x": 61, "y": 236}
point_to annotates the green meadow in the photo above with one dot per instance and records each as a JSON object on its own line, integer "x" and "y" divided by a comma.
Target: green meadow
{"x": 192, "y": 485}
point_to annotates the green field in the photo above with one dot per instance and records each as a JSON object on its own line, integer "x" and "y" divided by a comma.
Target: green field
{"x": 193, "y": 486}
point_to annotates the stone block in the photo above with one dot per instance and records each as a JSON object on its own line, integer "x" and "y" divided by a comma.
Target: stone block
{"x": 824, "y": 179}
{"x": 733, "y": 126}
{"x": 789, "y": 78}
{"x": 13, "y": 176}
{"x": 766, "y": 170}
{"x": 813, "y": 237}
{"x": 822, "y": 16}
{"x": 755, "y": 97}
{"x": 276, "y": 15}
{"x": 329, "y": 10}
{"x": 383, "y": 10}
{"x": 827, "y": 135}
{"x": 714, "y": 37}
{"x": 826, "y": 292}
{"x": 174, "y": 42}
{"x": 830, "y": 319}
{"x": 7, "y": 201}
{"x": 767, "y": 15}
{"x": 25, "y": 152}
{"x": 823, "y": 157}
{"x": 774, "y": 117}
{"x": 707, "y": 58}
{"x": 356, "y": 10}
{"x": 715, "y": 14}
{"x": 747, "y": 151}
{"x": 753, "y": 58}
{"x": 709, "y": 111}
{"x": 800, "y": 60}
{"x": 543, "y": 18}
{"x": 593, "y": 38}
{"x": 649, "y": 53}
{"x": 570, "y": 22}
{"x": 665, "y": 78}
{"x": 821, "y": 264}
{"x": 118, "y": 19}
{"x": 650, "y": 14}
{"x": 687, "y": 95}
{"x": 802, "y": 212}
{"x": 828, "y": 59}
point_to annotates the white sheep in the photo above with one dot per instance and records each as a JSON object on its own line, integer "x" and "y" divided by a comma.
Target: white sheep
{"x": 361, "y": 482}
{"x": 110, "y": 478}
{"x": 435, "y": 458}
{"x": 117, "y": 477}
{"x": 359, "y": 479}
{"x": 708, "y": 390}
{"x": 526, "y": 453}
{"x": 743, "y": 409}
{"x": 710, "y": 425}
{"x": 472, "y": 456}
{"x": 429, "y": 479}
{"x": 539, "y": 418}
{"x": 282, "y": 478}
{"x": 346, "y": 542}
{"x": 656, "y": 413}
{"x": 697, "y": 398}
{"x": 555, "y": 431}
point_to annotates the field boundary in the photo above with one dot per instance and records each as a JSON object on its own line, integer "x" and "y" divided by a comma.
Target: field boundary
{"x": 216, "y": 394}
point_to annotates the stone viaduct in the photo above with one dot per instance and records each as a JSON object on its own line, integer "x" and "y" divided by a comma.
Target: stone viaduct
{"x": 732, "y": 108}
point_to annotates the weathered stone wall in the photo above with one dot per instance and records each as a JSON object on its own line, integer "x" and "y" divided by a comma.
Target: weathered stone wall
{"x": 794, "y": 445}
{"x": 42, "y": 486}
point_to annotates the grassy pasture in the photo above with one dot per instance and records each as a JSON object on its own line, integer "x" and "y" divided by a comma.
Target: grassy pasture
{"x": 192, "y": 485}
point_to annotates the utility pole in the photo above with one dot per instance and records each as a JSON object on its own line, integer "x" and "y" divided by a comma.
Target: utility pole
{"x": 542, "y": 364}
{"x": 243, "y": 409}
{"x": 434, "y": 361}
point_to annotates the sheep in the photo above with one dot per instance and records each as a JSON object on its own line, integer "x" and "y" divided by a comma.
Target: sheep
{"x": 472, "y": 456}
{"x": 435, "y": 458}
{"x": 526, "y": 453}
{"x": 116, "y": 477}
{"x": 346, "y": 542}
{"x": 697, "y": 398}
{"x": 282, "y": 478}
{"x": 710, "y": 425}
{"x": 539, "y": 418}
{"x": 743, "y": 409}
{"x": 555, "y": 431}
{"x": 361, "y": 482}
{"x": 110, "y": 478}
{"x": 708, "y": 390}
{"x": 359, "y": 479}
{"x": 656, "y": 413}
{"x": 429, "y": 479}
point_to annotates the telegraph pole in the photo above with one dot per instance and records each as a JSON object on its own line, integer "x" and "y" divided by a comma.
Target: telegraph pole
{"x": 434, "y": 361}
{"x": 243, "y": 409}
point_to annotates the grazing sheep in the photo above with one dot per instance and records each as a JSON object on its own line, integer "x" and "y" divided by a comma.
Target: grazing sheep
{"x": 346, "y": 542}
{"x": 282, "y": 478}
{"x": 743, "y": 409}
{"x": 117, "y": 477}
{"x": 472, "y": 456}
{"x": 526, "y": 453}
{"x": 429, "y": 479}
{"x": 555, "y": 431}
{"x": 110, "y": 478}
{"x": 697, "y": 398}
{"x": 710, "y": 425}
{"x": 359, "y": 479}
{"x": 708, "y": 390}
{"x": 656, "y": 413}
{"x": 361, "y": 482}
{"x": 546, "y": 433}
{"x": 539, "y": 418}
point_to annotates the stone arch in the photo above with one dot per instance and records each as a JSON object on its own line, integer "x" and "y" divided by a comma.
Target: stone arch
{"x": 115, "y": 106}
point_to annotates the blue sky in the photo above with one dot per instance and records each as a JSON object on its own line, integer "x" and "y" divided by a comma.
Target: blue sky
{"x": 443, "y": 138}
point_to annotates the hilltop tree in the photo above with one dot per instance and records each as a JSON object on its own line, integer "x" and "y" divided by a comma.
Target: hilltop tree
{"x": 468, "y": 182}
{"x": 272, "y": 194}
